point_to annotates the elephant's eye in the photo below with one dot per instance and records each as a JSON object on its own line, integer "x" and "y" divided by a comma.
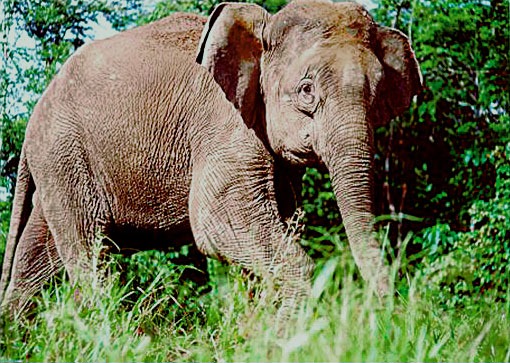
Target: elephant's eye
{"x": 307, "y": 98}
{"x": 306, "y": 92}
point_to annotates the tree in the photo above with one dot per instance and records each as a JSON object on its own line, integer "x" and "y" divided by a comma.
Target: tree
{"x": 447, "y": 158}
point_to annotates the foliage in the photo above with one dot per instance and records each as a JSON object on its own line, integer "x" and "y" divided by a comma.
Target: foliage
{"x": 445, "y": 160}
{"x": 166, "y": 7}
{"x": 442, "y": 146}
{"x": 321, "y": 217}
{"x": 476, "y": 262}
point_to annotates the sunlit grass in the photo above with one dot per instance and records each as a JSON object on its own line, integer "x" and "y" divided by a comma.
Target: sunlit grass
{"x": 165, "y": 320}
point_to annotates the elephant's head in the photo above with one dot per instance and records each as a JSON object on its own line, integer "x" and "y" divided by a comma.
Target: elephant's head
{"x": 313, "y": 80}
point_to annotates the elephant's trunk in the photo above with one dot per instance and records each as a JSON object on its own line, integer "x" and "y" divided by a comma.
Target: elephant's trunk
{"x": 348, "y": 154}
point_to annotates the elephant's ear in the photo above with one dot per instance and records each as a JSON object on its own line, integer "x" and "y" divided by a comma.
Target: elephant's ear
{"x": 402, "y": 76}
{"x": 230, "y": 48}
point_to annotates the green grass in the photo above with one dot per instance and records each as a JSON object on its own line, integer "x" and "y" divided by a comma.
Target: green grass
{"x": 163, "y": 319}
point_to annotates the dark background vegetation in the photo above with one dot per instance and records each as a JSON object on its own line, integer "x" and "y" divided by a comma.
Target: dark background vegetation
{"x": 442, "y": 169}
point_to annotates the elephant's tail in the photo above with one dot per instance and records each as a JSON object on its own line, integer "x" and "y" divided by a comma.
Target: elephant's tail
{"x": 21, "y": 208}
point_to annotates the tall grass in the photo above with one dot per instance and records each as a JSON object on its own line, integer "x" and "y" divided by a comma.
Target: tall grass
{"x": 117, "y": 319}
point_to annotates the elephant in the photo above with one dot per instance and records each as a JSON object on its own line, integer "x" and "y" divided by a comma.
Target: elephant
{"x": 313, "y": 81}
{"x": 31, "y": 256}
{"x": 136, "y": 138}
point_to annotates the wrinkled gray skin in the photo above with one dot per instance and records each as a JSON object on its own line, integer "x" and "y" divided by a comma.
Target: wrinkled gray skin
{"x": 105, "y": 86}
{"x": 134, "y": 139}
{"x": 313, "y": 81}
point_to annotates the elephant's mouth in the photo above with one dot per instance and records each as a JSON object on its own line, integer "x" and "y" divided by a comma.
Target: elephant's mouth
{"x": 301, "y": 157}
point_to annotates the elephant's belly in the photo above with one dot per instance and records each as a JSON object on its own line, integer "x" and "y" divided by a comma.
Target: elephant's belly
{"x": 130, "y": 238}
{"x": 152, "y": 215}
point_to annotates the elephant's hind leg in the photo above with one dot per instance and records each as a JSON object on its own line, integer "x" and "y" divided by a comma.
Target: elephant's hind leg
{"x": 76, "y": 230}
{"x": 73, "y": 204}
{"x": 35, "y": 261}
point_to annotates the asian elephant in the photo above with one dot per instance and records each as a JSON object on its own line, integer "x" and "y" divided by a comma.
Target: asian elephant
{"x": 134, "y": 139}
{"x": 313, "y": 81}
{"x": 31, "y": 256}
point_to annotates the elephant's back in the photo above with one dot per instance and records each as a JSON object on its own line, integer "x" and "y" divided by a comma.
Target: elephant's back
{"x": 179, "y": 30}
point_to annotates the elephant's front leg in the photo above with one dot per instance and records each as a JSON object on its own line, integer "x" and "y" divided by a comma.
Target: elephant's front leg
{"x": 234, "y": 217}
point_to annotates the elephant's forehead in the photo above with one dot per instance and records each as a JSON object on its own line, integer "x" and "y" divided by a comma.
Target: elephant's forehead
{"x": 350, "y": 21}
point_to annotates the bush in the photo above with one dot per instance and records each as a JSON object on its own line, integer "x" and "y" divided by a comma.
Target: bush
{"x": 476, "y": 263}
